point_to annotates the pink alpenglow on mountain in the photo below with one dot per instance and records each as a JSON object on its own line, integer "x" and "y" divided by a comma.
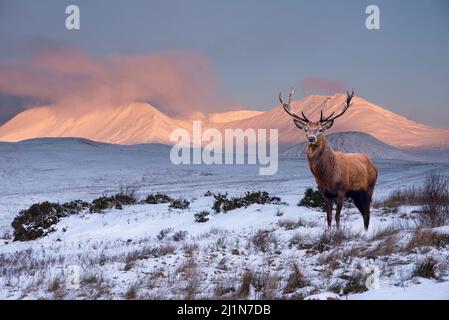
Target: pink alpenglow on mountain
{"x": 142, "y": 123}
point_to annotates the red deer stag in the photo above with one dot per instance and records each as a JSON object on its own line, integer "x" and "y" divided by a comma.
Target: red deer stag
{"x": 338, "y": 175}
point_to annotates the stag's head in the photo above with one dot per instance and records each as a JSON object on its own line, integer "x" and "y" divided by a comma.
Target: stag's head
{"x": 314, "y": 130}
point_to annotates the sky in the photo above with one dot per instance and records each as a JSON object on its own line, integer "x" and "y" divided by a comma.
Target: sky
{"x": 205, "y": 55}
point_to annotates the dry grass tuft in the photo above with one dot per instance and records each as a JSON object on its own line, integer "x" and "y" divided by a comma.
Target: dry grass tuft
{"x": 427, "y": 268}
{"x": 295, "y": 281}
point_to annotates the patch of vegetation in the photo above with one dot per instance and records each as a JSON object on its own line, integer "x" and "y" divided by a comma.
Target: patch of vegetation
{"x": 279, "y": 213}
{"x": 245, "y": 285}
{"x": 163, "y": 233}
{"x": 432, "y": 197}
{"x": 330, "y": 239}
{"x": 295, "y": 281}
{"x": 202, "y": 216}
{"x": 404, "y": 196}
{"x": 299, "y": 241}
{"x": 225, "y": 203}
{"x": 428, "y": 268}
{"x": 386, "y": 247}
{"x": 356, "y": 283}
{"x": 179, "y": 204}
{"x": 75, "y": 207}
{"x": 55, "y": 285}
{"x": 262, "y": 240}
{"x": 290, "y": 224}
{"x": 428, "y": 238}
{"x": 179, "y": 235}
{"x": 38, "y": 220}
{"x": 132, "y": 291}
{"x": 435, "y": 201}
{"x": 220, "y": 199}
{"x": 382, "y": 233}
{"x": 156, "y": 198}
{"x": 118, "y": 200}
{"x": 312, "y": 199}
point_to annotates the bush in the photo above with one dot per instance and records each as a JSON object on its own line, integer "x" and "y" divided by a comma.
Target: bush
{"x": 118, "y": 200}
{"x": 100, "y": 204}
{"x": 312, "y": 199}
{"x": 156, "y": 198}
{"x": 202, "y": 216}
{"x": 179, "y": 204}
{"x": 396, "y": 198}
{"x": 432, "y": 197}
{"x": 75, "y": 207}
{"x": 220, "y": 199}
{"x": 224, "y": 203}
{"x": 39, "y": 220}
{"x": 435, "y": 201}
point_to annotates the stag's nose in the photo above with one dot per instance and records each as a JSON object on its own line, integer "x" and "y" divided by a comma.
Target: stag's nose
{"x": 312, "y": 139}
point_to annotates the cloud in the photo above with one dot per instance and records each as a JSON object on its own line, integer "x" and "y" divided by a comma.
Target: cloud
{"x": 175, "y": 82}
{"x": 318, "y": 85}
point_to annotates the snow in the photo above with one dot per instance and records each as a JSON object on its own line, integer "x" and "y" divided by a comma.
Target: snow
{"x": 142, "y": 123}
{"x": 215, "y": 255}
{"x": 359, "y": 142}
{"x": 425, "y": 290}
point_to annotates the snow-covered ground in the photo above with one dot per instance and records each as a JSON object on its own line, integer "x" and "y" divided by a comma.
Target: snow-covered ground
{"x": 263, "y": 251}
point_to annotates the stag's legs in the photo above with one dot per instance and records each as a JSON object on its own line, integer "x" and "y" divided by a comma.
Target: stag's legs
{"x": 366, "y": 205}
{"x": 340, "y": 200}
{"x": 362, "y": 201}
{"x": 328, "y": 202}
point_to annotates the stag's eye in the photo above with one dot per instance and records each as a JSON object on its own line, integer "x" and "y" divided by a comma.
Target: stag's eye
{"x": 306, "y": 129}
{"x": 320, "y": 130}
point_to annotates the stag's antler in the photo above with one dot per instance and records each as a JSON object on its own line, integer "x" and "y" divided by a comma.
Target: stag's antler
{"x": 322, "y": 118}
{"x": 288, "y": 108}
{"x": 331, "y": 117}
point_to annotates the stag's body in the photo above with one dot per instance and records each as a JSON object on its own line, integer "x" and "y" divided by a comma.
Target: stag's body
{"x": 337, "y": 175}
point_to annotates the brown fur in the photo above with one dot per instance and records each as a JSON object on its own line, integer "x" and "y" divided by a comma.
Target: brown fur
{"x": 339, "y": 175}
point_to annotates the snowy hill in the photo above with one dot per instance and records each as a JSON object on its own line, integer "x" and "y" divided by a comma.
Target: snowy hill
{"x": 136, "y": 123}
{"x": 362, "y": 116}
{"x": 359, "y": 142}
{"x": 142, "y": 123}
{"x": 152, "y": 251}
{"x": 132, "y": 124}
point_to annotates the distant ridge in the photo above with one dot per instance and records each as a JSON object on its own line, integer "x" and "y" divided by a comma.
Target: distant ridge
{"x": 359, "y": 142}
{"x": 141, "y": 123}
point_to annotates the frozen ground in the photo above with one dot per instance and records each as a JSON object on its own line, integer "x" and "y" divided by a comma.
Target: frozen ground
{"x": 263, "y": 251}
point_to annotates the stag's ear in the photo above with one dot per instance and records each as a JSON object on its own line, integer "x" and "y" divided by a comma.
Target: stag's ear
{"x": 328, "y": 124}
{"x": 300, "y": 124}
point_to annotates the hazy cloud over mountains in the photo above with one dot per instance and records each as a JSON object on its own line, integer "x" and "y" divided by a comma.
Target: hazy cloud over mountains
{"x": 176, "y": 82}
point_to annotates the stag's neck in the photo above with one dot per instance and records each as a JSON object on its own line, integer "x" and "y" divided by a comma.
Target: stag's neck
{"x": 321, "y": 158}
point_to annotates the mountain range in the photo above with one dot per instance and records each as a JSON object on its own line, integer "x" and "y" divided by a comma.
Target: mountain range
{"x": 142, "y": 123}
